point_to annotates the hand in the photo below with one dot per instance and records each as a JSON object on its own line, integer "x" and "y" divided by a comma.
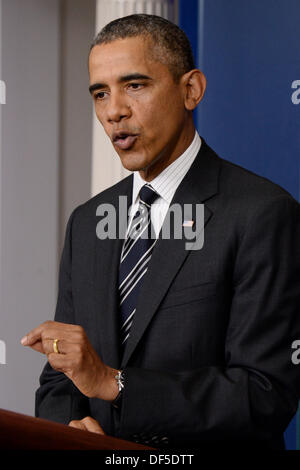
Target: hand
{"x": 87, "y": 424}
{"x": 77, "y": 359}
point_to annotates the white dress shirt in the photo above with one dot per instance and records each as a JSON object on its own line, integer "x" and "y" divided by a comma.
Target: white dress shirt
{"x": 165, "y": 184}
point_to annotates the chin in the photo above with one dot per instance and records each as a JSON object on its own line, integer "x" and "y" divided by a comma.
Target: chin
{"x": 132, "y": 164}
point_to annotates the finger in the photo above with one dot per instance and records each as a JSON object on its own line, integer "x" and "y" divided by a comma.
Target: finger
{"x": 46, "y": 346}
{"x": 92, "y": 425}
{"x": 60, "y": 362}
{"x": 33, "y": 336}
{"x": 77, "y": 425}
{"x": 63, "y": 346}
{"x": 36, "y": 334}
{"x": 38, "y": 346}
{"x": 51, "y": 330}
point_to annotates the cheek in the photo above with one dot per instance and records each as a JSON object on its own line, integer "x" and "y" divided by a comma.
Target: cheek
{"x": 103, "y": 122}
{"x": 99, "y": 110}
{"x": 166, "y": 111}
{"x": 152, "y": 116}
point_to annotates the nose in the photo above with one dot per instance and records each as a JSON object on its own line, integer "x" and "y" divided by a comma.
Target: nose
{"x": 117, "y": 108}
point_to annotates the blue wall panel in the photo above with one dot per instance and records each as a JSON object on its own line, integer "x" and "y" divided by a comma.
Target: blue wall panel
{"x": 250, "y": 54}
{"x": 250, "y": 58}
{"x": 188, "y": 21}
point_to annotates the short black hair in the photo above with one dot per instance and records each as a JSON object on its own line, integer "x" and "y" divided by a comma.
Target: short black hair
{"x": 170, "y": 44}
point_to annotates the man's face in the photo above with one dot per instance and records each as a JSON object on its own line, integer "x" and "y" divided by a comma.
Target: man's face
{"x": 139, "y": 105}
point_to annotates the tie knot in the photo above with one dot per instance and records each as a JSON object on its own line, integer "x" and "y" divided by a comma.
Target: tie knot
{"x": 148, "y": 195}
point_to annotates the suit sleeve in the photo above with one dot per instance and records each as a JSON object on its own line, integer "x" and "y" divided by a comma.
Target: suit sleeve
{"x": 255, "y": 395}
{"x": 57, "y": 398}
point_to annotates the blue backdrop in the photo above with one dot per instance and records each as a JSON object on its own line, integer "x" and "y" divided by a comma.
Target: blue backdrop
{"x": 249, "y": 52}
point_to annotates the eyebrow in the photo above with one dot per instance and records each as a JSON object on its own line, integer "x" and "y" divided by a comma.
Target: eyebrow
{"x": 124, "y": 78}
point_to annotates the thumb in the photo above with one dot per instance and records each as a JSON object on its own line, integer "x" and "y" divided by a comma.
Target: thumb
{"x": 37, "y": 346}
{"x": 92, "y": 425}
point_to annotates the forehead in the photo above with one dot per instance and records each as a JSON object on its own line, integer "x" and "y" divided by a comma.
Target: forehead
{"x": 123, "y": 56}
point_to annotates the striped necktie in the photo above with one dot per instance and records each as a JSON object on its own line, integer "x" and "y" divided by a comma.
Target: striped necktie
{"x": 136, "y": 254}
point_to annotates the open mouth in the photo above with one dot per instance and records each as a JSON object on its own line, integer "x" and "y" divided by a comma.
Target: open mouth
{"x": 123, "y": 140}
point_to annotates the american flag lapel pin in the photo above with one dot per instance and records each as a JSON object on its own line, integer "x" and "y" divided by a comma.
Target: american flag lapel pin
{"x": 188, "y": 223}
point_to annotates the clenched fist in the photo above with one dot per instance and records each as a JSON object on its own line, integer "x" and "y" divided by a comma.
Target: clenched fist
{"x": 75, "y": 357}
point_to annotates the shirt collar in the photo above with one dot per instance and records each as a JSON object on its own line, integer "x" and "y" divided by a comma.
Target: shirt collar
{"x": 169, "y": 179}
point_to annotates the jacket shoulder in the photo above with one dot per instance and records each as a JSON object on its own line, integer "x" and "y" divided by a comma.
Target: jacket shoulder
{"x": 239, "y": 182}
{"x": 107, "y": 196}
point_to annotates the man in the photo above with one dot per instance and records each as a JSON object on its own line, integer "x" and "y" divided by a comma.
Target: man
{"x": 194, "y": 346}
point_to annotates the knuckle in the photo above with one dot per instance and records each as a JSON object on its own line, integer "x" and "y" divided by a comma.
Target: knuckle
{"x": 44, "y": 337}
{"x": 80, "y": 332}
{"x": 49, "y": 356}
{"x": 78, "y": 349}
{"x": 75, "y": 424}
{"x": 72, "y": 363}
{"x": 77, "y": 361}
{"x": 53, "y": 362}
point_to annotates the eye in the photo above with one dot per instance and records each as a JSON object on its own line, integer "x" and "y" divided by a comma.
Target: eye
{"x": 99, "y": 95}
{"x": 135, "y": 86}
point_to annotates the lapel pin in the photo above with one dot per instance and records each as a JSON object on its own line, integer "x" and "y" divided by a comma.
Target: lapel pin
{"x": 188, "y": 223}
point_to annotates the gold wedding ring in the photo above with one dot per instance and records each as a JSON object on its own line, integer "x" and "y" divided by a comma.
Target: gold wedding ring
{"x": 55, "y": 348}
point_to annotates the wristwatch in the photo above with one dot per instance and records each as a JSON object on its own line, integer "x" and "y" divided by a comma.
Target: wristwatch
{"x": 120, "y": 378}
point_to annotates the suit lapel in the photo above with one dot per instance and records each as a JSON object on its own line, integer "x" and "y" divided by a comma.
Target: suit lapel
{"x": 107, "y": 258}
{"x": 199, "y": 184}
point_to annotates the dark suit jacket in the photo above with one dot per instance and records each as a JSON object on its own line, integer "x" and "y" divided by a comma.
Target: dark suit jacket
{"x": 209, "y": 355}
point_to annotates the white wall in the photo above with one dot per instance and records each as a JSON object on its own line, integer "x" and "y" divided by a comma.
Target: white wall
{"x": 2, "y": 101}
{"x": 29, "y": 227}
{"x": 77, "y": 33}
{"x": 45, "y": 171}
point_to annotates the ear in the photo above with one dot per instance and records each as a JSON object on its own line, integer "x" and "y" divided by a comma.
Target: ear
{"x": 194, "y": 85}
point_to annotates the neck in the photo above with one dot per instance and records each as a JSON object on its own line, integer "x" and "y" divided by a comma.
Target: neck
{"x": 173, "y": 151}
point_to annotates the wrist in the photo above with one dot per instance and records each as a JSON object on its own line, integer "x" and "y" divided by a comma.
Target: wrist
{"x": 108, "y": 389}
{"x": 120, "y": 379}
